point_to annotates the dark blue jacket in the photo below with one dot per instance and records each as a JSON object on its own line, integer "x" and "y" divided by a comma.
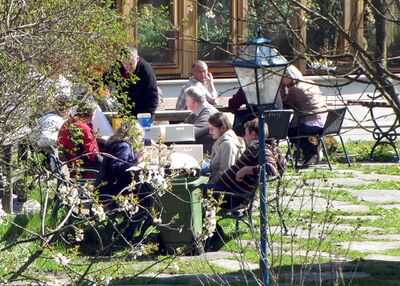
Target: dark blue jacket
{"x": 113, "y": 172}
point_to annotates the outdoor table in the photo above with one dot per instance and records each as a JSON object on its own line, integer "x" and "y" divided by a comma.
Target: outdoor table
{"x": 382, "y": 137}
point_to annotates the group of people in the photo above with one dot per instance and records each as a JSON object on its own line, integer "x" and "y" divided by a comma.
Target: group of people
{"x": 233, "y": 162}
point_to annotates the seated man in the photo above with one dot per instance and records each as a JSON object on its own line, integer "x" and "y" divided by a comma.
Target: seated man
{"x": 76, "y": 139}
{"x": 44, "y": 134}
{"x": 195, "y": 98}
{"x": 201, "y": 78}
{"x": 242, "y": 177}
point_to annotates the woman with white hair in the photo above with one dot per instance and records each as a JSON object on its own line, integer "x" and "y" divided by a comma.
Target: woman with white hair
{"x": 308, "y": 104}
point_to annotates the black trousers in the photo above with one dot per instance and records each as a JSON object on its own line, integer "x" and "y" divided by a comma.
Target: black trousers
{"x": 308, "y": 148}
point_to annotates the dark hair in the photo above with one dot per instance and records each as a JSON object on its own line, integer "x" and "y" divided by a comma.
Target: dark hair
{"x": 221, "y": 121}
{"x": 252, "y": 125}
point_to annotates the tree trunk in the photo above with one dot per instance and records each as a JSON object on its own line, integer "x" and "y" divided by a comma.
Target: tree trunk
{"x": 385, "y": 83}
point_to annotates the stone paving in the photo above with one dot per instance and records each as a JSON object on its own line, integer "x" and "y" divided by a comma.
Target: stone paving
{"x": 374, "y": 245}
{"x": 375, "y": 242}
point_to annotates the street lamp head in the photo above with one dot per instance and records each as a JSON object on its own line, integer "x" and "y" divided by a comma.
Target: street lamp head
{"x": 259, "y": 68}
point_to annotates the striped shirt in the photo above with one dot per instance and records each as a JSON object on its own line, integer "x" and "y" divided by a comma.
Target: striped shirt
{"x": 275, "y": 165}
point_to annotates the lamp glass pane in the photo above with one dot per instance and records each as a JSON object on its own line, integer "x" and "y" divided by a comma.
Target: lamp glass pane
{"x": 247, "y": 77}
{"x": 269, "y": 80}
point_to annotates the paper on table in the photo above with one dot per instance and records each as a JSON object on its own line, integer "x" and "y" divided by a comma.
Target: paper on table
{"x": 101, "y": 123}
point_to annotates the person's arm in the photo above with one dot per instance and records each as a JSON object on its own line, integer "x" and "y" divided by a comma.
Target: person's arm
{"x": 123, "y": 152}
{"x": 211, "y": 88}
{"x": 89, "y": 142}
{"x": 146, "y": 74}
{"x": 201, "y": 124}
{"x": 246, "y": 170}
{"x": 237, "y": 100}
{"x": 226, "y": 157}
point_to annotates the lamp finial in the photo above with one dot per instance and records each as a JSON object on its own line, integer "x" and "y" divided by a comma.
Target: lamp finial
{"x": 259, "y": 29}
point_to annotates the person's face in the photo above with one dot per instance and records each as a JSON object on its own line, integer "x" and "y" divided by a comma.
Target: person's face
{"x": 215, "y": 132}
{"x": 190, "y": 103}
{"x": 131, "y": 64}
{"x": 249, "y": 136}
{"x": 287, "y": 81}
{"x": 200, "y": 73}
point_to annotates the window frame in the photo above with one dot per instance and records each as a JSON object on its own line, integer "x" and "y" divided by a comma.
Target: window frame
{"x": 186, "y": 46}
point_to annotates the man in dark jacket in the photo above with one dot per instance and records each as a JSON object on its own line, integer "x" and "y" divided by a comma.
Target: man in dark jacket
{"x": 139, "y": 84}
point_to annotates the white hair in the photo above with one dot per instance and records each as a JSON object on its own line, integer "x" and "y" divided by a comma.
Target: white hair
{"x": 196, "y": 93}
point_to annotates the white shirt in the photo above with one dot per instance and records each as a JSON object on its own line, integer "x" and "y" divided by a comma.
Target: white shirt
{"x": 45, "y": 132}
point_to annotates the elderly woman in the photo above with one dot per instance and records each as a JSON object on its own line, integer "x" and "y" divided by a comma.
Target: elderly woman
{"x": 195, "y": 99}
{"x": 309, "y": 104}
{"x": 227, "y": 147}
{"x": 124, "y": 149}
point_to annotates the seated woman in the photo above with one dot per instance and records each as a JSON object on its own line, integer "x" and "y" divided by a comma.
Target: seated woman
{"x": 226, "y": 149}
{"x": 309, "y": 105}
{"x": 124, "y": 149}
{"x": 242, "y": 177}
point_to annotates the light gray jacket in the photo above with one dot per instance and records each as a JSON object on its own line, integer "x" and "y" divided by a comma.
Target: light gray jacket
{"x": 225, "y": 151}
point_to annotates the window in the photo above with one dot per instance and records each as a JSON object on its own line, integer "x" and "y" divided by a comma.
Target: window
{"x": 171, "y": 34}
{"x": 214, "y": 30}
{"x": 155, "y": 32}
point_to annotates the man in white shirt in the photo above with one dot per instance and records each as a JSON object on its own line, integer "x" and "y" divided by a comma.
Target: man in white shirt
{"x": 202, "y": 79}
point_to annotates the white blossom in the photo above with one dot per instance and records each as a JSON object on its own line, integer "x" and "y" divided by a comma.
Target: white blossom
{"x": 157, "y": 220}
{"x": 61, "y": 259}
{"x": 79, "y": 234}
{"x": 3, "y": 214}
{"x": 99, "y": 212}
{"x": 141, "y": 177}
{"x": 210, "y": 14}
{"x": 69, "y": 195}
{"x": 129, "y": 207}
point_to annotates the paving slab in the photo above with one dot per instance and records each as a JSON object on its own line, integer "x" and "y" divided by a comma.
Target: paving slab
{"x": 318, "y": 276}
{"x": 346, "y": 181}
{"x": 389, "y": 206}
{"x": 382, "y": 236}
{"x": 382, "y": 257}
{"x": 358, "y": 217}
{"x": 320, "y": 204}
{"x": 199, "y": 279}
{"x": 235, "y": 265}
{"x": 343, "y": 227}
{"x": 370, "y": 246}
{"x": 377, "y": 196}
{"x": 212, "y": 255}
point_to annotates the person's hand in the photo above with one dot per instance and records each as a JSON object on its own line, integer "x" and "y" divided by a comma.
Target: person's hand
{"x": 246, "y": 170}
{"x": 210, "y": 77}
{"x": 142, "y": 155}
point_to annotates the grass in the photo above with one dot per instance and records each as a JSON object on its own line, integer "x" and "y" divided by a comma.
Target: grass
{"x": 123, "y": 268}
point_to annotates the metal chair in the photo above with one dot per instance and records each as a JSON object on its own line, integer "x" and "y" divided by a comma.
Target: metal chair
{"x": 332, "y": 127}
{"x": 278, "y": 125}
{"x": 244, "y": 211}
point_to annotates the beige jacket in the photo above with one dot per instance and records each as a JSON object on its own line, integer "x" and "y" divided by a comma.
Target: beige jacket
{"x": 305, "y": 98}
{"x": 225, "y": 151}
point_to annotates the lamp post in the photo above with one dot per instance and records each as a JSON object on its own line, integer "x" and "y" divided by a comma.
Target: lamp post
{"x": 259, "y": 68}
